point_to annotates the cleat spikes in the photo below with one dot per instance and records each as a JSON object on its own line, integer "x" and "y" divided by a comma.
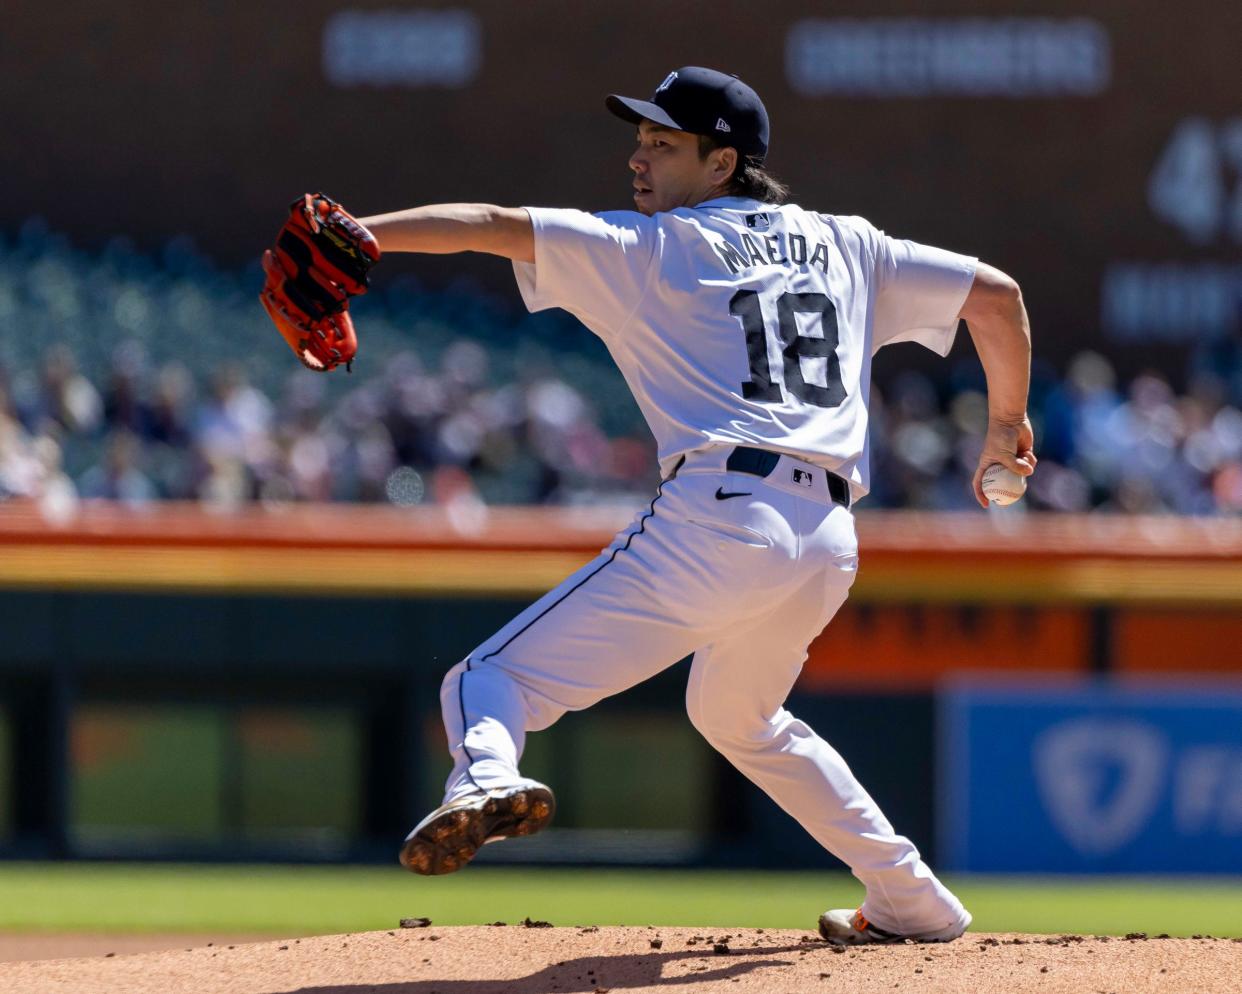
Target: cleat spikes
{"x": 449, "y": 837}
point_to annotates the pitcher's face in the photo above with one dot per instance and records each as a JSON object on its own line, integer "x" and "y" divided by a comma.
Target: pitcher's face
{"x": 668, "y": 171}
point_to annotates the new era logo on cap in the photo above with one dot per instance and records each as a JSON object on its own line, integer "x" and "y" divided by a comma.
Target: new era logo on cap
{"x": 722, "y": 125}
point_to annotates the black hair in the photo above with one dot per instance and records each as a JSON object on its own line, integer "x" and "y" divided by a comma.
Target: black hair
{"x": 750, "y": 178}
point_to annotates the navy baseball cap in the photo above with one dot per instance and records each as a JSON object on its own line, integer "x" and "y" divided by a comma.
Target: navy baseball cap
{"x": 702, "y": 102}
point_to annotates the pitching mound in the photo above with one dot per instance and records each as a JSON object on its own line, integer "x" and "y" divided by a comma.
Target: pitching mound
{"x": 530, "y": 959}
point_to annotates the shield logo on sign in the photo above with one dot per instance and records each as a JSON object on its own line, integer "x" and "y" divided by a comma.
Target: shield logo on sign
{"x": 1100, "y": 779}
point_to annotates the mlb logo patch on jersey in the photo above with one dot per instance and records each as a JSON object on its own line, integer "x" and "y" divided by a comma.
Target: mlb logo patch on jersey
{"x": 803, "y": 478}
{"x": 759, "y": 222}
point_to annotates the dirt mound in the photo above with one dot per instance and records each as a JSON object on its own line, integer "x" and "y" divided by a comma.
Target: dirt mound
{"x": 16, "y": 946}
{"x": 530, "y": 958}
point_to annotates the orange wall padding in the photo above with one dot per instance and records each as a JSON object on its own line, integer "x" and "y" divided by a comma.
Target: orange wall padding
{"x": 911, "y": 646}
{"x": 1164, "y": 641}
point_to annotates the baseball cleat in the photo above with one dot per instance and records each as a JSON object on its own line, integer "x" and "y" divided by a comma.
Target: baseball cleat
{"x": 447, "y": 839}
{"x": 844, "y": 927}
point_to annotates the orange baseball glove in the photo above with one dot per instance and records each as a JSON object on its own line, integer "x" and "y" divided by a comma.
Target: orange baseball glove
{"x": 321, "y": 259}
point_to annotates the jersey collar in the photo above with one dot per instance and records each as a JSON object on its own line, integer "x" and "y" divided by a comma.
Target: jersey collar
{"x": 735, "y": 203}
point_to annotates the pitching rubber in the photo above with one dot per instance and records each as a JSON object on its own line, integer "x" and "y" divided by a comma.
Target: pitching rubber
{"x": 450, "y": 836}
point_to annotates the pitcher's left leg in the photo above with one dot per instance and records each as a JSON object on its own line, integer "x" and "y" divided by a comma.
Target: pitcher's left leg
{"x": 735, "y": 695}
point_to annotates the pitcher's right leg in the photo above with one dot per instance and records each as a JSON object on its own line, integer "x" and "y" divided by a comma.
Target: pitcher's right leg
{"x": 735, "y": 695}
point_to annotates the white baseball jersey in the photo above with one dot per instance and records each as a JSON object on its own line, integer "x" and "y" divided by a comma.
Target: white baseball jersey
{"x": 734, "y": 324}
{"x": 739, "y": 323}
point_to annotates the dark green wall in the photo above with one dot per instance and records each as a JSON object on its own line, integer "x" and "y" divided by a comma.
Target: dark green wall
{"x": 194, "y": 672}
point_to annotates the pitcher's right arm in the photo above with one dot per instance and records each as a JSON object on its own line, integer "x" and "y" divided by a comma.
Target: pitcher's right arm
{"x": 998, "y": 323}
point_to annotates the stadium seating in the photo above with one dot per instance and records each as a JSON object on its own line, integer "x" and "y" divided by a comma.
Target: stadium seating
{"x": 134, "y": 377}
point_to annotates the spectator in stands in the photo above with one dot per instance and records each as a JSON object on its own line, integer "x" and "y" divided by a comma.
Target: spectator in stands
{"x": 124, "y": 405}
{"x": 171, "y": 410}
{"x": 65, "y": 395}
{"x": 18, "y": 468}
{"x": 119, "y": 477}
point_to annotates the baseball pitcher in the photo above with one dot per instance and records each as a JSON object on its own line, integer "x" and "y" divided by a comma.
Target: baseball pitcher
{"x": 745, "y": 327}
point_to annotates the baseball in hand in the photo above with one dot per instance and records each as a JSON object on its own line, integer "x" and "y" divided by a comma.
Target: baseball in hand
{"x": 1002, "y": 486}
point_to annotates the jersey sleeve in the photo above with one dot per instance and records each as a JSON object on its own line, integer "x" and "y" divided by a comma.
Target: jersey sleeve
{"x": 920, "y": 293}
{"x": 596, "y": 266}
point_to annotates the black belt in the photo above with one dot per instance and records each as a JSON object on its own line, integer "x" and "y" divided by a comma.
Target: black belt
{"x": 761, "y": 462}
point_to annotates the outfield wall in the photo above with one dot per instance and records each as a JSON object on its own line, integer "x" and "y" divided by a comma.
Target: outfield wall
{"x": 936, "y": 593}
{"x": 180, "y": 683}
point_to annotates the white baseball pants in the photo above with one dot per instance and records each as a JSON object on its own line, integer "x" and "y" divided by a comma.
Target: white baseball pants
{"x": 744, "y": 583}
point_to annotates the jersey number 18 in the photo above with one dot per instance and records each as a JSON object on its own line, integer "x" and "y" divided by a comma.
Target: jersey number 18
{"x": 795, "y": 346}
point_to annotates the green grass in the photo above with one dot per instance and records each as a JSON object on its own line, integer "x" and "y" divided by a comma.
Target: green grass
{"x": 308, "y": 900}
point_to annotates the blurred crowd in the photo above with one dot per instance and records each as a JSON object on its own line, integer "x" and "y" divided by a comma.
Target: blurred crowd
{"x": 1138, "y": 447}
{"x": 412, "y": 433}
{"x": 127, "y": 397}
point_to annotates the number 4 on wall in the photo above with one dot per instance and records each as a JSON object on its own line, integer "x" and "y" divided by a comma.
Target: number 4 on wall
{"x": 1190, "y": 186}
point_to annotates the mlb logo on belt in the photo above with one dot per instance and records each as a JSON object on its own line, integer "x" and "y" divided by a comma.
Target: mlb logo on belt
{"x": 802, "y": 477}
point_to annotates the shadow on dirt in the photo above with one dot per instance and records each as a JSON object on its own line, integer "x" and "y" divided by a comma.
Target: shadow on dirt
{"x": 586, "y": 974}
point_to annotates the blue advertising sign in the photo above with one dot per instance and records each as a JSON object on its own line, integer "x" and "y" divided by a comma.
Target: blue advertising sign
{"x": 1090, "y": 777}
